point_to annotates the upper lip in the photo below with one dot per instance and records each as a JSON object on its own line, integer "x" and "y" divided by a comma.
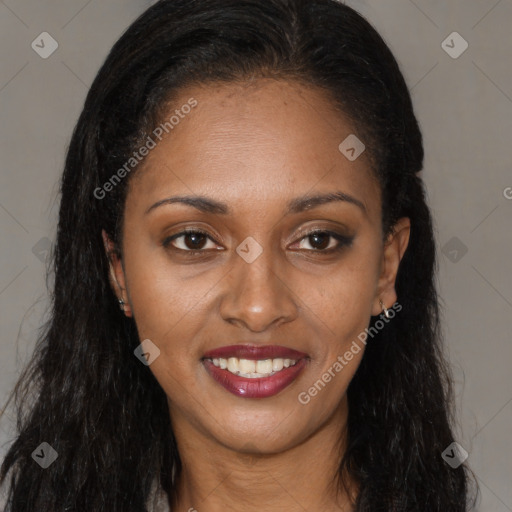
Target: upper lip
{"x": 254, "y": 352}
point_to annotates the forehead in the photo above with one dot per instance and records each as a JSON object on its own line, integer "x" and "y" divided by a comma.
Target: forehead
{"x": 262, "y": 142}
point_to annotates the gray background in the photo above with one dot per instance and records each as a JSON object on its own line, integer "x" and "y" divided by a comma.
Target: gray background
{"x": 464, "y": 106}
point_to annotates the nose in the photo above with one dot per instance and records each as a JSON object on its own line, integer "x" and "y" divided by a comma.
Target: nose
{"x": 257, "y": 295}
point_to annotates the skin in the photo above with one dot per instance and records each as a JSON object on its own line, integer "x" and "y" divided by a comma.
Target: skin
{"x": 256, "y": 146}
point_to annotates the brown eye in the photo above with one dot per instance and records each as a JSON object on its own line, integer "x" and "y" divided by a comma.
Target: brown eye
{"x": 193, "y": 241}
{"x": 320, "y": 241}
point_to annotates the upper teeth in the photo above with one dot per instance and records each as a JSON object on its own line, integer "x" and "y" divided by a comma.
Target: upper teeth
{"x": 253, "y": 369}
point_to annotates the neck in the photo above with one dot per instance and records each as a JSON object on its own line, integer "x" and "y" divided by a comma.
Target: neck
{"x": 305, "y": 477}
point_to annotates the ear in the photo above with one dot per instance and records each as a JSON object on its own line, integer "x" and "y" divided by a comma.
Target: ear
{"x": 394, "y": 249}
{"x": 116, "y": 273}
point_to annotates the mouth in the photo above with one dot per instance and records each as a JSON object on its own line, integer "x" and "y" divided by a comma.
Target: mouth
{"x": 254, "y": 371}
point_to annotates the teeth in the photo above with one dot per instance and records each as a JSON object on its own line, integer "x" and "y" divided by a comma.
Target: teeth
{"x": 247, "y": 366}
{"x": 233, "y": 364}
{"x": 264, "y": 366}
{"x": 253, "y": 369}
{"x": 277, "y": 364}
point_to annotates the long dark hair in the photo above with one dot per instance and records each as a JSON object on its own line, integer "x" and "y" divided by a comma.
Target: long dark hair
{"x": 86, "y": 394}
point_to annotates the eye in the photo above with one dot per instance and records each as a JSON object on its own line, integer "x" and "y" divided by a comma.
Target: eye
{"x": 320, "y": 241}
{"x": 193, "y": 241}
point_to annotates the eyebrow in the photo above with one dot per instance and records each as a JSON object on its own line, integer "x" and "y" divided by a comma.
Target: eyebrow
{"x": 299, "y": 204}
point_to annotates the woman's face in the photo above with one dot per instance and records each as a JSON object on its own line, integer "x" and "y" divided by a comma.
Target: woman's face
{"x": 254, "y": 153}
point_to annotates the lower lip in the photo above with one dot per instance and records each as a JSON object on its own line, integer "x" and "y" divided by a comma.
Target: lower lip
{"x": 255, "y": 388}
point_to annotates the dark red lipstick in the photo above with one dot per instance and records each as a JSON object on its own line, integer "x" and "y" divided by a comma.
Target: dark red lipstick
{"x": 255, "y": 387}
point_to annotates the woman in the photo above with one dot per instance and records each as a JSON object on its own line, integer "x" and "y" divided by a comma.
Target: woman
{"x": 244, "y": 314}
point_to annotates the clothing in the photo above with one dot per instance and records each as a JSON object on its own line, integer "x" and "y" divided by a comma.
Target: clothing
{"x": 157, "y": 501}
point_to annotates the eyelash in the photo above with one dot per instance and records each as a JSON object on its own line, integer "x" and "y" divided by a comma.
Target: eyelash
{"x": 343, "y": 241}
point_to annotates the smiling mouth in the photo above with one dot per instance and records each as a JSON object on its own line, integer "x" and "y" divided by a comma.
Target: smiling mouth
{"x": 251, "y": 371}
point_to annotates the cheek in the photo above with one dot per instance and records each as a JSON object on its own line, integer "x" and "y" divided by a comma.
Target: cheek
{"x": 344, "y": 310}
{"x": 343, "y": 299}
{"x": 160, "y": 294}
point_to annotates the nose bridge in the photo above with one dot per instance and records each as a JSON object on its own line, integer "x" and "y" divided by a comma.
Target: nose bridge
{"x": 257, "y": 295}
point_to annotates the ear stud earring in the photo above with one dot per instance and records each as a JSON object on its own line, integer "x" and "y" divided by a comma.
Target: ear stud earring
{"x": 121, "y": 304}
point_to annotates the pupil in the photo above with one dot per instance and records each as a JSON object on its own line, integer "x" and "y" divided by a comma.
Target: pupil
{"x": 316, "y": 236}
{"x": 195, "y": 243}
